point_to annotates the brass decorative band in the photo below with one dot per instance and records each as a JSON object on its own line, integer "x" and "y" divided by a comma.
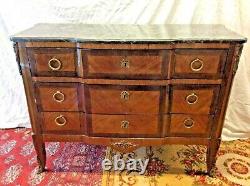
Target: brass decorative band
{"x": 124, "y": 145}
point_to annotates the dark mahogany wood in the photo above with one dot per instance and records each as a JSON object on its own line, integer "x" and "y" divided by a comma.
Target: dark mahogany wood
{"x": 103, "y": 99}
{"x": 128, "y": 82}
{"x": 141, "y": 125}
{"x": 127, "y": 94}
{"x": 195, "y": 99}
{"x": 40, "y": 59}
{"x": 57, "y": 97}
{"x": 62, "y": 121}
{"x": 190, "y": 125}
{"x": 198, "y": 63}
{"x": 129, "y": 64}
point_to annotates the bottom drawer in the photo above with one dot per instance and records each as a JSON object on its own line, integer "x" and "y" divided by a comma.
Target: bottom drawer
{"x": 125, "y": 125}
{"x": 62, "y": 121}
{"x": 190, "y": 125}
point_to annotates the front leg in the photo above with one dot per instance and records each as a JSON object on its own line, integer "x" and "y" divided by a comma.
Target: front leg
{"x": 212, "y": 149}
{"x": 40, "y": 150}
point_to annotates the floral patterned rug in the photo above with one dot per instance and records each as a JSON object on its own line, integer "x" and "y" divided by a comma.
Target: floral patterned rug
{"x": 67, "y": 163}
{"x": 80, "y": 164}
{"x": 168, "y": 166}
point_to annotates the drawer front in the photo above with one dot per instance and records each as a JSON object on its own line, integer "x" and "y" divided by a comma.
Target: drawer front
{"x": 130, "y": 64}
{"x": 125, "y": 125}
{"x": 124, "y": 99}
{"x": 62, "y": 121}
{"x": 189, "y": 125}
{"x": 194, "y": 99}
{"x": 58, "y": 97}
{"x": 53, "y": 62}
{"x": 198, "y": 63}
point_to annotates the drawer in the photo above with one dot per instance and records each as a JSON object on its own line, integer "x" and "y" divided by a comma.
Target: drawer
{"x": 52, "y": 62}
{"x": 194, "y": 99}
{"x": 115, "y": 99}
{"x": 125, "y": 125}
{"x": 62, "y": 121}
{"x": 190, "y": 125}
{"x": 129, "y": 64}
{"x": 57, "y": 97}
{"x": 198, "y": 63}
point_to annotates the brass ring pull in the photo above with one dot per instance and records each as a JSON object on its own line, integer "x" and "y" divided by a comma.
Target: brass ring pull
{"x": 54, "y": 64}
{"x": 192, "y": 98}
{"x": 188, "y": 122}
{"x": 124, "y": 63}
{"x": 196, "y": 65}
{"x": 58, "y": 96}
{"x": 125, "y": 95}
{"x": 60, "y": 120}
{"x": 124, "y": 124}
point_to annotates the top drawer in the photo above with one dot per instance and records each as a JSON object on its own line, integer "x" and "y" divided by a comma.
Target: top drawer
{"x": 52, "y": 61}
{"x": 129, "y": 64}
{"x": 198, "y": 63}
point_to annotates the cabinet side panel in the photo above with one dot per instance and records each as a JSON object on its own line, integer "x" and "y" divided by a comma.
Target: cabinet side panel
{"x": 226, "y": 85}
{"x": 29, "y": 88}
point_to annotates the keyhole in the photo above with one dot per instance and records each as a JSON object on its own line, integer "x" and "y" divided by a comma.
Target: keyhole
{"x": 124, "y": 63}
{"x": 125, "y": 95}
{"x": 124, "y": 124}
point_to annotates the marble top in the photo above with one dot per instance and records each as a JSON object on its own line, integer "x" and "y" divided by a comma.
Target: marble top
{"x": 127, "y": 33}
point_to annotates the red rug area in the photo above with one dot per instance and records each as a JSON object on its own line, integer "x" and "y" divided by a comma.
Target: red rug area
{"x": 67, "y": 163}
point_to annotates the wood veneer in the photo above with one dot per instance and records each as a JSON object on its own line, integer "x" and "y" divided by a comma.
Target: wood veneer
{"x": 167, "y": 87}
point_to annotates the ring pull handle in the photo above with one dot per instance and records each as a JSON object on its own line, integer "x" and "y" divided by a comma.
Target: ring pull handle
{"x": 55, "y": 64}
{"x": 124, "y": 124}
{"x": 196, "y": 65}
{"x": 192, "y": 99}
{"x": 58, "y": 96}
{"x": 60, "y": 120}
{"x": 124, "y": 63}
{"x": 125, "y": 95}
{"x": 188, "y": 122}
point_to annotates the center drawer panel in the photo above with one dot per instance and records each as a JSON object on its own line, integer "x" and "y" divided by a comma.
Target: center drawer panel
{"x": 119, "y": 99}
{"x": 126, "y": 125}
{"x": 129, "y": 64}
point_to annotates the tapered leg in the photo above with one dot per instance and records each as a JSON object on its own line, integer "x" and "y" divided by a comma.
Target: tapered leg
{"x": 41, "y": 153}
{"x": 212, "y": 149}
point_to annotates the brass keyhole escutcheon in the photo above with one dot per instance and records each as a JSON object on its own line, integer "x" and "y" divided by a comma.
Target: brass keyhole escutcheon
{"x": 125, "y": 95}
{"x": 124, "y": 63}
{"x": 124, "y": 124}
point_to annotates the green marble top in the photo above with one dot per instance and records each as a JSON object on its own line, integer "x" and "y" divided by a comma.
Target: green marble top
{"x": 127, "y": 33}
